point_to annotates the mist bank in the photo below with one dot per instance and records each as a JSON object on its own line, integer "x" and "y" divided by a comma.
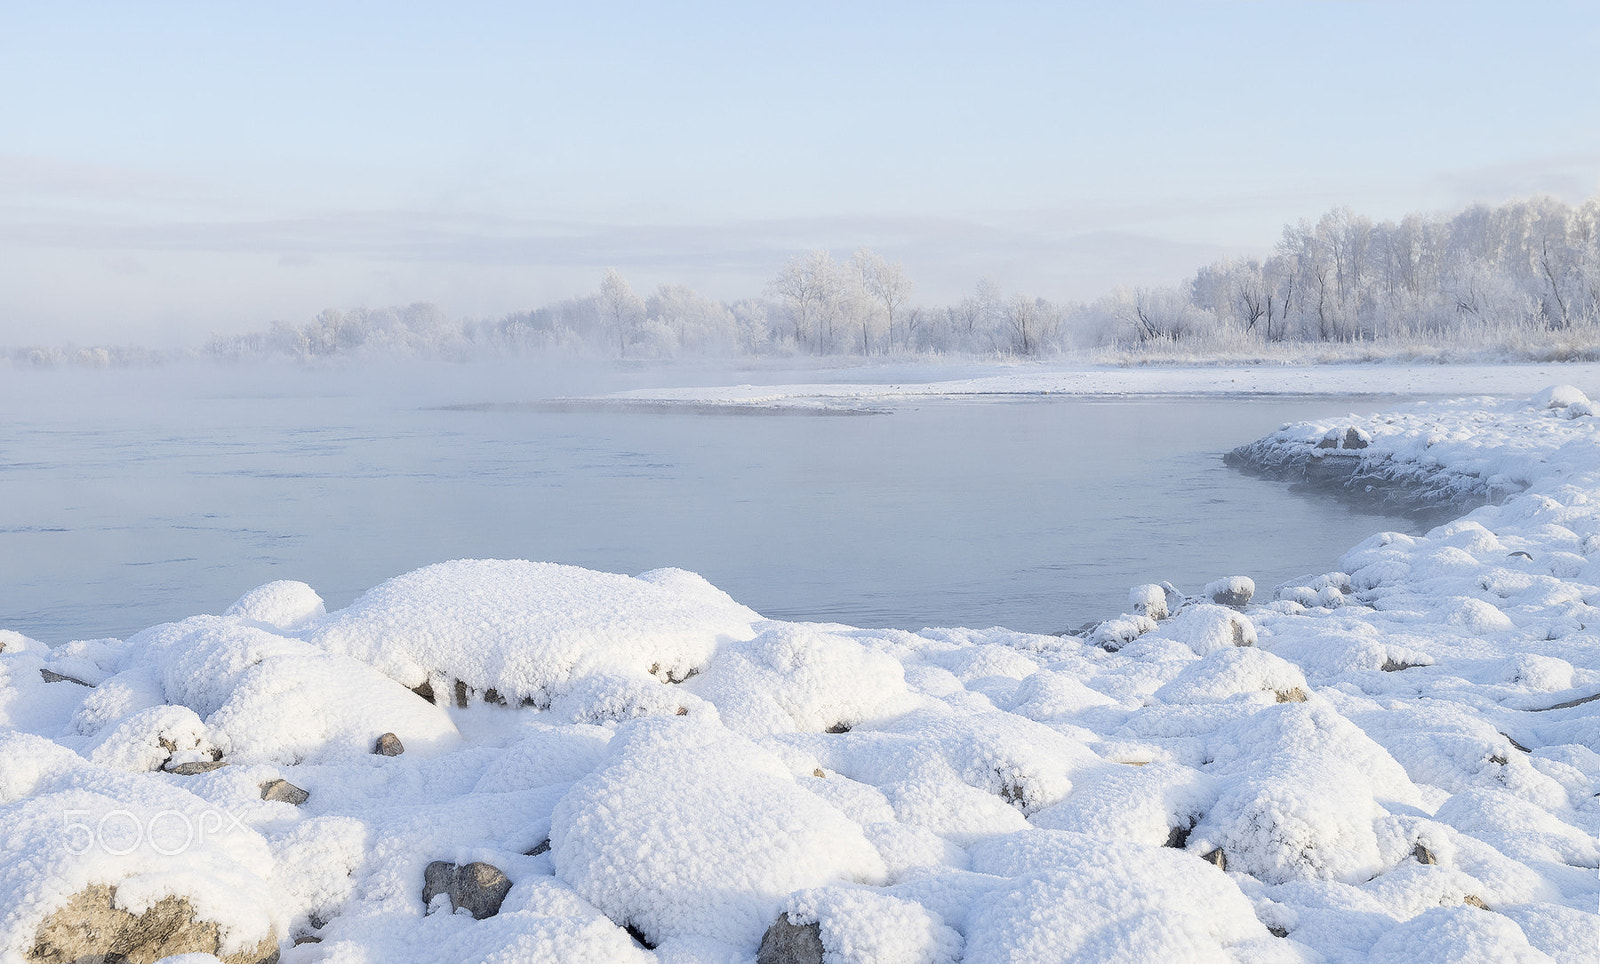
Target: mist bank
{"x": 1516, "y": 282}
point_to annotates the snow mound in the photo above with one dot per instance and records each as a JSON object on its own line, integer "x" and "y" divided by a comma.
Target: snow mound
{"x": 860, "y": 926}
{"x": 149, "y": 739}
{"x": 796, "y": 678}
{"x": 280, "y": 605}
{"x": 14, "y": 642}
{"x": 1076, "y": 899}
{"x": 527, "y": 630}
{"x": 1446, "y": 935}
{"x": 266, "y": 697}
{"x": 1207, "y": 628}
{"x": 1225, "y": 673}
{"x": 1300, "y": 798}
{"x": 692, "y": 830}
{"x": 1558, "y": 396}
{"x": 1154, "y": 804}
{"x": 75, "y": 825}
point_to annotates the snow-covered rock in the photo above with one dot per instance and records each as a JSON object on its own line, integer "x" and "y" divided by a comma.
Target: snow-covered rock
{"x": 689, "y": 829}
{"x": 528, "y": 630}
{"x": 1394, "y": 761}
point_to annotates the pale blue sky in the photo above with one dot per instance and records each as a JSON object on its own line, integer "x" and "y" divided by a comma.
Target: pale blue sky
{"x": 168, "y": 169}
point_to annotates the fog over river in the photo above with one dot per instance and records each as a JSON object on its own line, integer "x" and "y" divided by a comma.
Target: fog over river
{"x": 132, "y": 498}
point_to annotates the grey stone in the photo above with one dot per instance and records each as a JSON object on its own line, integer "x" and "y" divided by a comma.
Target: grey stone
{"x": 50, "y": 677}
{"x": 478, "y": 887}
{"x": 389, "y": 745}
{"x": 197, "y": 767}
{"x": 1234, "y": 592}
{"x": 1216, "y": 857}
{"x": 1354, "y": 438}
{"x": 90, "y": 928}
{"x": 786, "y": 942}
{"x": 1392, "y": 665}
{"x": 282, "y": 791}
{"x": 1423, "y": 855}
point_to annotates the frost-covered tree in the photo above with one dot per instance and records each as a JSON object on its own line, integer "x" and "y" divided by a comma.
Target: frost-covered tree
{"x": 809, "y": 285}
{"x": 623, "y": 309}
{"x": 887, "y": 285}
{"x": 697, "y": 325}
{"x": 1524, "y": 275}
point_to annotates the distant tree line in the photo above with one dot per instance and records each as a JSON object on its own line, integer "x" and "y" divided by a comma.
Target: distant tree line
{"x": 1523, "y": 276}
{"x": 1526, "y": 267}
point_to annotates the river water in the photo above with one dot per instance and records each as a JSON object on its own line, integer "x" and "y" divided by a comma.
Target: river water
{"x": 133, "y": 498}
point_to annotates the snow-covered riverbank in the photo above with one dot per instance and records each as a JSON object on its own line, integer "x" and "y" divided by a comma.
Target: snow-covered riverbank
{"x": 1396, "y": 761}
{"x": 864, "y": 386}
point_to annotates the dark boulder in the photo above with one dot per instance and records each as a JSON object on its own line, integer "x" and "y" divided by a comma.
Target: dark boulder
{"x": 282, "y": 791}
{"x": 478, "y": 887}
{"x": 786, "y": 942}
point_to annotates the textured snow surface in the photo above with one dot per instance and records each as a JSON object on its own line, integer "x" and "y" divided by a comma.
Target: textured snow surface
{"x": 1396, "y": 761}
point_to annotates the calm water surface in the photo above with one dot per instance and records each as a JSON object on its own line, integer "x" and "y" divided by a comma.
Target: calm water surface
{"x": 129, "y": 499}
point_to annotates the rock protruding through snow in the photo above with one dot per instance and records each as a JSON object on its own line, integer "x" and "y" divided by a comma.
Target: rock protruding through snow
{"x": 477, "y": 888}
{"x": 92, "y": 926}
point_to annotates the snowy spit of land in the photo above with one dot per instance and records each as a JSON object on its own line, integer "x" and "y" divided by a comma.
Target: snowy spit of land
{"x": 848, "y": 388}
{"x": 517, "y": 761}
